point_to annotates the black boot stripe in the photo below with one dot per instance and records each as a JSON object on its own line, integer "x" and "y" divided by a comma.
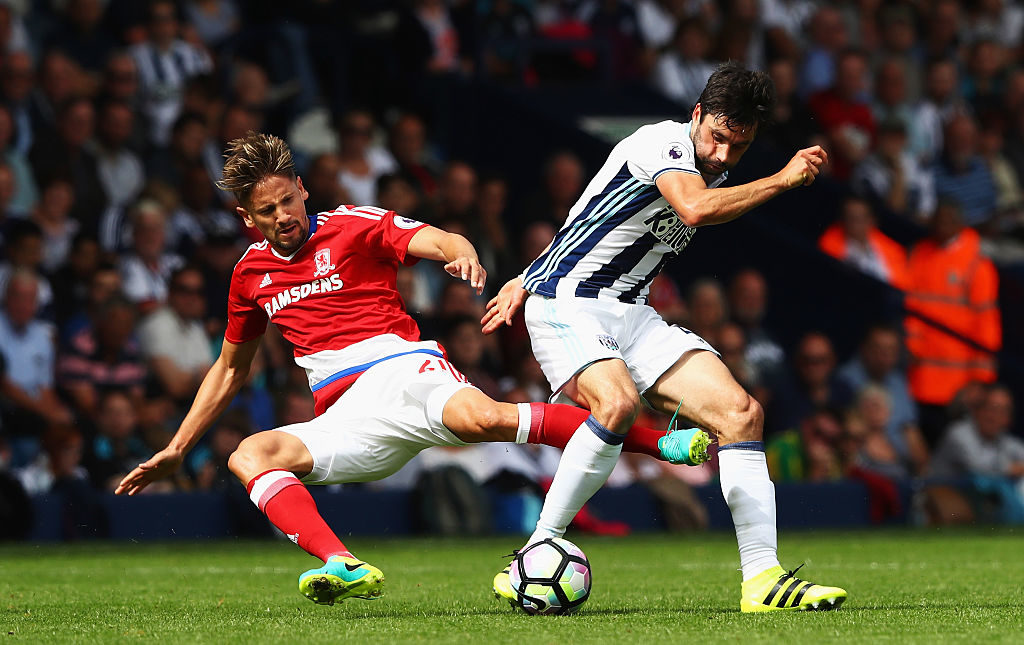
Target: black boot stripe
{"x": 800, "y": 594}
{"x": 796, "y": 583}
{"x": 775, "y": 590}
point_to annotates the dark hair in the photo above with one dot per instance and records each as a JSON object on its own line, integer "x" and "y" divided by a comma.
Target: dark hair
{"x": 740, "y": 96}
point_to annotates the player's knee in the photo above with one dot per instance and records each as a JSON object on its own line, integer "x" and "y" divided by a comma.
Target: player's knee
{"x": 617, "y": 411}
{"x": 253, "y": 455}
{"x": 745, "y": 421}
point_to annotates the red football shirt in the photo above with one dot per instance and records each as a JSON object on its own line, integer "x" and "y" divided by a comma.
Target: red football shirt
{"x": 336, "y": 290}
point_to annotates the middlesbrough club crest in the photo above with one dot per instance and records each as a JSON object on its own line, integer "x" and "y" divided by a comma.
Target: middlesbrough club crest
{"x": 323, "y": 262}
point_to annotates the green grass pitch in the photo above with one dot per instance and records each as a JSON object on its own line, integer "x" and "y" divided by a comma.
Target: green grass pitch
{"x": 905, "y": 587}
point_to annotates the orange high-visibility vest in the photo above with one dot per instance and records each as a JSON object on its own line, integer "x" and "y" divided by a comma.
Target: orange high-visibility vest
{"x": 894, "y": 257}
{"x": 958, "y": 287}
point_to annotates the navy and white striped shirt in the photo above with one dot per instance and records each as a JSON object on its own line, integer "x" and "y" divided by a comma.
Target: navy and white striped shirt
{"x": 621, "y": 231}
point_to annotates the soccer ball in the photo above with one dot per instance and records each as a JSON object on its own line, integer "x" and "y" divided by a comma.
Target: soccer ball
{"x": 550, "y": 577}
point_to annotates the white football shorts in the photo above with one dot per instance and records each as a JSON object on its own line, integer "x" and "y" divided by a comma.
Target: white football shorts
{"x": 390, "y": 413}
{"x": 568, "y": 334}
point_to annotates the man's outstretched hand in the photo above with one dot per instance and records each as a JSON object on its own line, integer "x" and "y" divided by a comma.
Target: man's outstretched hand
{"x": 160, "y": 465}
{"x": 503, "y": 307}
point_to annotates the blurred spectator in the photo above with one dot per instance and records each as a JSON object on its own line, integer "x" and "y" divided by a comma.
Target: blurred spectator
{"x": 828, "y": 38}
{"x": 103, "y": 284}
{"x": 172, "y": 338}
{"x": 465, "y": 347}
{"x": 58, "y": 465}
{"x": 117, "y": 446}
{"x": 103, "y": 356}
{"x": 792, "y": 126}
{"x": 396, "y": 193}
{"x": 562, "y": 186}
{"x": 492, "y": 241}
{"x": 67, "y": 154}
{"x": 868, "y": 429}
{"x": 209, "y": 463}
{"x": 856, "y": 240}
{"x": 982, "y": 447}
{"x": 120, "y": 170}
{"x": 23, "y": 248}
{"x": 165, "y": 63}
{"x": 961, "y": 174}
{"x": 189, "y": 137}
{"x": 505, "y": 29}
{"x": 708, "y": 309}
{"x": 878, "y": 363}
{"x": 81, "y": 33}
{"x": 814, "y": 451}
{"x": 362, "y": 161}
{"x": 682, "y": 72}
{"x": 71, "y": 280}
{"x": 891, "y": 98}
{"x": 215, "y": 21}
{"x": 844, "y": 113}
{"x": 17, "y": 79}
{"x": 407, "y": 141}
{"x": 748, "y": 303}
{"x": 1009, "y": 217}
{"x": 811, "y": 384}
{"x": 954, "y": 288}
{"x": 1000, "y": 20}
{"x": 146, "y": 269}
{"x": 892, "y": 178}
{"x": 28, "y": 350}
{"x": 200, "y": 214}
{"x": 941, "y": 101}
{"x": 732, "y": 346}
{"x": 325, "y": 191}
{"x": 944, "y": 24}
{"x": 456, "y": 200}
{"x": 615, "y": 23}
{"x": 23, "y": 191}
{"x": 216, "y": 258}
{"x": 982, "y": 86}
{"x": 59, "y": 81}
{"x": 53, "y": 217}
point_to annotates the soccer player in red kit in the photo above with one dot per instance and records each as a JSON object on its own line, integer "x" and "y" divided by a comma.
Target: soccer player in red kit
{"x": 382, "y": 394}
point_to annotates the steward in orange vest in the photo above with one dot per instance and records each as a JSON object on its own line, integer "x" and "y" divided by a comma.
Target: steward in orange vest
{"x": 952, "y": 283}
{"x": 856, "y": 240}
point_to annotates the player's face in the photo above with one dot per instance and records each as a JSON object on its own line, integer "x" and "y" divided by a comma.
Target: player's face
{"x": 277, "y": 208}
{"x": 716, "y": 147}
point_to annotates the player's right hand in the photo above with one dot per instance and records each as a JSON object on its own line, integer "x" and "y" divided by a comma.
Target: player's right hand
{"x": 504, "y": 306}
{"x": 804, "y": 167}
{"x": 160, "y": 465}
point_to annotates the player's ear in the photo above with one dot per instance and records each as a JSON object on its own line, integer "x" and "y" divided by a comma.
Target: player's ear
{"x": 696, "y": 113}
{"x": 244, "y": 214}
{"x": 303, "y": 193}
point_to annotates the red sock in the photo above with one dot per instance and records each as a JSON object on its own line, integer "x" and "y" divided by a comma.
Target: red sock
{"x": 553, "y": 424}
{"x": 290, "y": 507}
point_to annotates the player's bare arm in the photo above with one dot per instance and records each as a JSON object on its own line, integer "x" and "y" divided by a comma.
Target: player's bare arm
{"x": 220, "y": 386}
{"x": 458, "y": 254}
{"x": 698, "y": 206}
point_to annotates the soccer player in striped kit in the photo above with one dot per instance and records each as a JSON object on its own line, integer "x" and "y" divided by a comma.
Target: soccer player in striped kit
{"x": 603, "y": 348}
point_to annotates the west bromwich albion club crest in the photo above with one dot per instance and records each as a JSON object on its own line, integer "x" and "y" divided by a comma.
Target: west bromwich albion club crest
{"x": 323, "y": 262}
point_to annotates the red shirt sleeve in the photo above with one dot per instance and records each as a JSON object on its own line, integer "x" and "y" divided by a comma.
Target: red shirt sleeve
{"x": 246, "y": 320}
{"x": 388, "y": 237}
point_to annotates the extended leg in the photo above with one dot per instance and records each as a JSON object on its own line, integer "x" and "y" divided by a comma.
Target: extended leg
{"x": 713, "y": 399}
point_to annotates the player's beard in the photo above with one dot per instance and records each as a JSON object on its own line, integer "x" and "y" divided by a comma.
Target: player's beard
{"x": 297, "y": 239}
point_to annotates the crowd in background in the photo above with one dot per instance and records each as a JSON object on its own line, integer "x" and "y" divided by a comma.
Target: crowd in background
{"x": 117, "y": 247}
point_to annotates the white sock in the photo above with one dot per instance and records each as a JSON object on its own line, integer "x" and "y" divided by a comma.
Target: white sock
{"x": 750, "y": 494}
{"x": 584, "y": 468}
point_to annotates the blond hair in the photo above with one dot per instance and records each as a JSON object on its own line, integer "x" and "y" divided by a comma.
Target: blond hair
{"x": 250, "y": 160}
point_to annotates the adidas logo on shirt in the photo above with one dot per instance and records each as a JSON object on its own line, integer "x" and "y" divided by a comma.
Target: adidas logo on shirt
{"x": 266, "y": 280}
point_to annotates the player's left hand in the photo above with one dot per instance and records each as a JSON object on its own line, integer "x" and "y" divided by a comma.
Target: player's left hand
{"x": 468, "y": 269}
{"x": 160, "y": 465}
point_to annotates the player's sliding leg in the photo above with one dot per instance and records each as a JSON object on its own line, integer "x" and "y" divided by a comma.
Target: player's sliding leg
{"x": 554, "y": 424}
{"x": 267, "y": 464}
{"x": 712, "y": 398}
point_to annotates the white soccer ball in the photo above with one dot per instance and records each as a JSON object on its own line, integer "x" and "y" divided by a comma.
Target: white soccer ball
{"x": 551, "y": 577}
